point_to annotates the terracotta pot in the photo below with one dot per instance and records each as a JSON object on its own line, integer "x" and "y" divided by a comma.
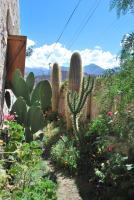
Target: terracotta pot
{"x": 16, "y": 54}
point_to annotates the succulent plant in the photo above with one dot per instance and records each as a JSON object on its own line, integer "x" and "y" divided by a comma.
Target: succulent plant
{"x": 76, "y": 101}
{"x": 31, "y": 102}
{"x": 55, "y": 80}
{"x": 75, "y": 80}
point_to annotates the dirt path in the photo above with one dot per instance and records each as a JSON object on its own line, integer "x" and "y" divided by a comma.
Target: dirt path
{"x": 67, "y": 189}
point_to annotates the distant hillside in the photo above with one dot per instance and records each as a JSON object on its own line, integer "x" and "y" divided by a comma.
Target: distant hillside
{"x": 88, "y": 69}
{"x": 37, "y": 71}
{"x": 93, "y": 69}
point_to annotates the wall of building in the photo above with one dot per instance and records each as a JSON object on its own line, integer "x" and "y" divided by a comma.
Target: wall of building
{"x": 9, "y": 25}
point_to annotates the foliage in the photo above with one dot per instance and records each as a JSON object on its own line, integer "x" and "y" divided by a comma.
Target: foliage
{"x": 44, "y": 189}
{"x": 118, "y": 95}
{"x": 101, "y": 125}
{"x": 107, "y": 160}
{"x": 51, "y": 132}
{"x": 29, "y": 51}
{"x": 65, "y": 154}
{"x": 26, "y": 175}
{"x": 127, "y": 44}
{"x": 122, "y": 6}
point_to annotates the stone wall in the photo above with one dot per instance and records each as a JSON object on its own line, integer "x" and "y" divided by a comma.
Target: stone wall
{"x": 9, "y": 25}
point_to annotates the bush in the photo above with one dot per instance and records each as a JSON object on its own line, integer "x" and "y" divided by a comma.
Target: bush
{"x": 106, "y": 162}
{"x": 101, "y": 125}
{"x": 65, "y": 154}
{"x": 22, "y": 168}
{"x": 44, "y": 189}
{"x": 51, "y": 132}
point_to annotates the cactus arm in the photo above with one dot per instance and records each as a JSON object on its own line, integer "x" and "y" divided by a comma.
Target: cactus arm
{"x": 86, "y": 90}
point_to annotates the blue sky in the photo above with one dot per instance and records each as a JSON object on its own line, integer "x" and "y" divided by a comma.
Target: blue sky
{"x": 43, "y": 20}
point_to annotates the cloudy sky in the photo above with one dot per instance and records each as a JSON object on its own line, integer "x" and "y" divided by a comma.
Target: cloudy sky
{"x": 94, "y": 31}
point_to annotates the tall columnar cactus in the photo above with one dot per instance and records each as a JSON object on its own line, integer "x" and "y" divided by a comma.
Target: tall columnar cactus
{"x": 56, "y": 80}
{"x": 31, "y": 102}
{"x": 75, "y": 80}
{"x": 75, "y": 72}
{"x": 45, "y": 95}
{"x": 76, "y": 101}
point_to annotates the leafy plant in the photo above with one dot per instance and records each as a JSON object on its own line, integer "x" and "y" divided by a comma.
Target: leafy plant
{"x": 65, "y": 154}
{"x": 122, "y": 6}
{"x": 27, "y": 176}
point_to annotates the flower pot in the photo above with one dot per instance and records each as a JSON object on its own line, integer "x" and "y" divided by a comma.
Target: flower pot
{"x": 16, "y": 54}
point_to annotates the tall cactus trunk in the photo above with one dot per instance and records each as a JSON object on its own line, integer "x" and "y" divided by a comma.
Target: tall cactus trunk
{"x": 89, "y": 106}
{"x": 75, "y": 81}
{"x": 56, "y": 80}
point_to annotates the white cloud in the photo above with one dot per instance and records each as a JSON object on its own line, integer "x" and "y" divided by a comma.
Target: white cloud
{"x": 30, "y": 43}
{"x": 46, "y": 54}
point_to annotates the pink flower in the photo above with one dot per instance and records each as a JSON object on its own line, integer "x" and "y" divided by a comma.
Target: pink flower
{"x": 110, "y": 113}
{"x": 9, "y": 117}
{"x": 110, "y": 148}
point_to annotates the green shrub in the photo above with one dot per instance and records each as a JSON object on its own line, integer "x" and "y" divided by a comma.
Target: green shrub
{"x": 43, "y": 190}
{"x": 65, "y": 154}
{"x": 51, "y": 132}
{"x": 23, "y": 170}
{"x": 100, "y": 125}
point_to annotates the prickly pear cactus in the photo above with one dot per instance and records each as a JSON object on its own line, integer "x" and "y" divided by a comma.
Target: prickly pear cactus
{"x": 31, "y": 102}
{"x": 19, "y": 109}
{"x": 30, "y": 80}
{"x": 19, "y": 86}
{"x": 35, "y": 119}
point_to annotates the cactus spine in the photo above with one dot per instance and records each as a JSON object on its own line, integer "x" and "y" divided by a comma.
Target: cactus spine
{"x": 56, "y": 80}
{"x": 75, "y": 80}
{"x": 76, "y": 101}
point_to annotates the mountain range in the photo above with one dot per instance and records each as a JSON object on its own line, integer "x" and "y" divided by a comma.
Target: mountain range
{"x": 90, "y": 69}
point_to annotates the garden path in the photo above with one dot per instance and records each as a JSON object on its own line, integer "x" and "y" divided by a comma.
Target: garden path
{"x": 67, "y": 189}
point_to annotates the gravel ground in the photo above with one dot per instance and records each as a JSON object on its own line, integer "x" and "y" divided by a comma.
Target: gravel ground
{"x": 67, "y": 189}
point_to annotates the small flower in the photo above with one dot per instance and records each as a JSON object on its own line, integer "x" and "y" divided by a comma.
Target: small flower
{"x": 1, "y": 142}
{"x": 129, "y": 111}
{"x": 116, "y": 113}
{"x": 65, "y": 163}
{"x": 9, "y": 117}
{"x": 110, "y": 148}
{"x": 110, "y": 113}
{"x": 111, "y": 121}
